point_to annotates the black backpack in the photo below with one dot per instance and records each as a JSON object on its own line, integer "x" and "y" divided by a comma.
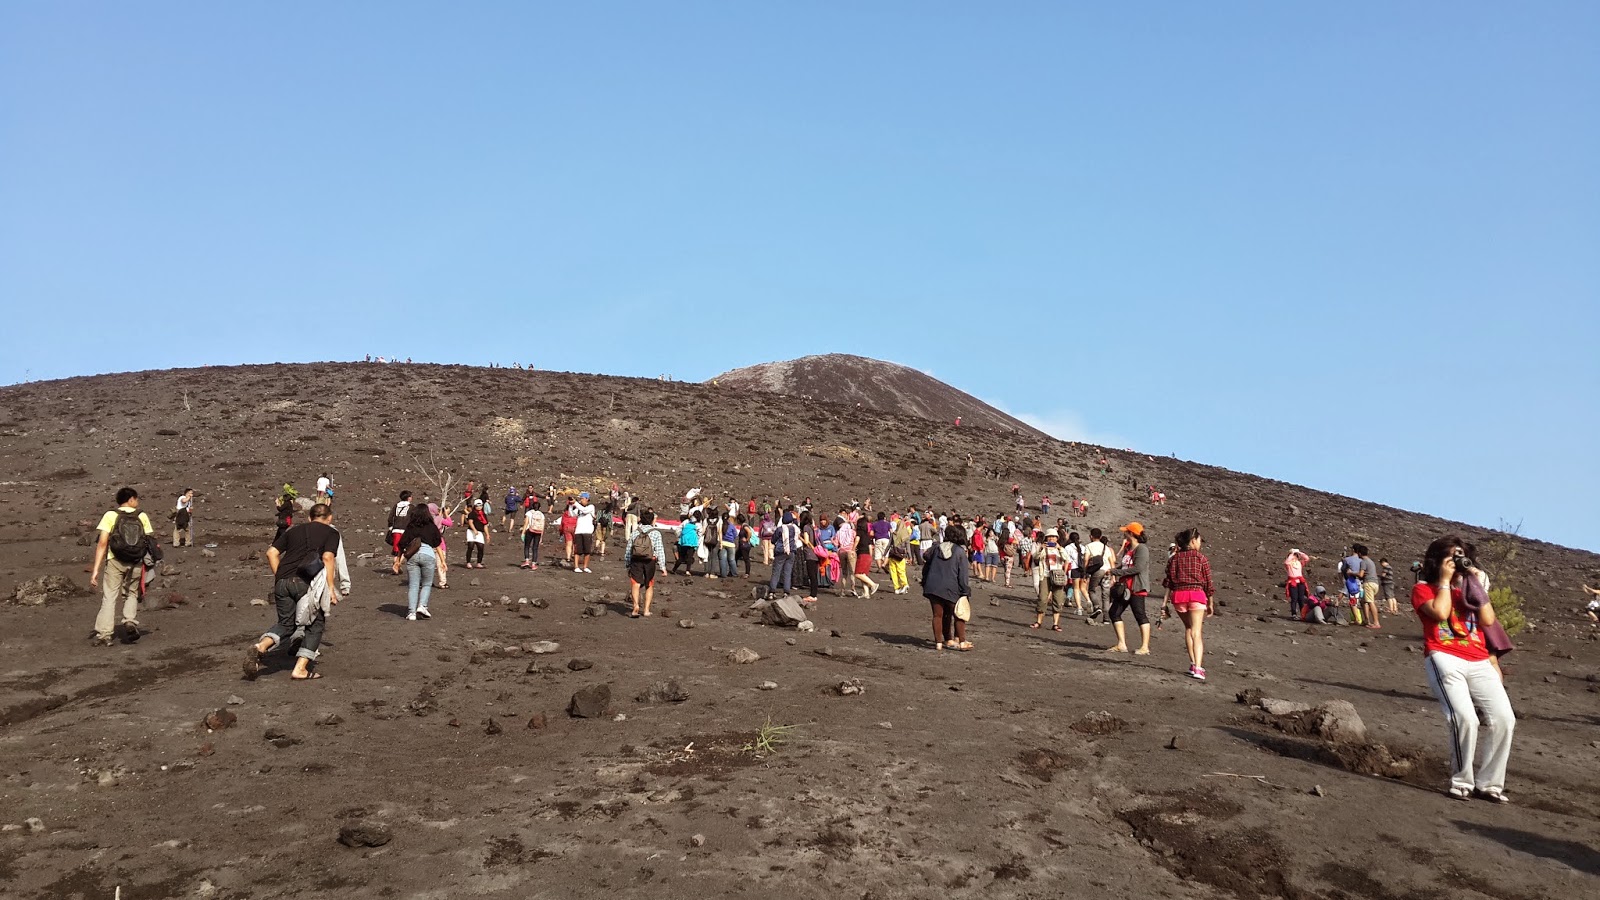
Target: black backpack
{"x": 127, "y": 538}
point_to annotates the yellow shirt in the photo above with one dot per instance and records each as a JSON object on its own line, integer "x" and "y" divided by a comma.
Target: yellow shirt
{"x": 109, "y": 520}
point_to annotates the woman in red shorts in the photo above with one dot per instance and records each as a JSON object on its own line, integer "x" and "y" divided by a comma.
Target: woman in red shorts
{"x": 1188, "y": 583}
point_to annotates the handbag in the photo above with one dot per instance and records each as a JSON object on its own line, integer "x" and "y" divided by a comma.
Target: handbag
{"x": 412, "y": 548}
{"x": 1058, "y": 578}
{"x": 963, "y": 610}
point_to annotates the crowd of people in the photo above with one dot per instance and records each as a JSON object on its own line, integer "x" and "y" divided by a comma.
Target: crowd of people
{"x": 810, "y": 550}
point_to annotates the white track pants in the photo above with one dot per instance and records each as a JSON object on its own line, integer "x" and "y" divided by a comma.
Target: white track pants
{"x": 1464, "y": 689}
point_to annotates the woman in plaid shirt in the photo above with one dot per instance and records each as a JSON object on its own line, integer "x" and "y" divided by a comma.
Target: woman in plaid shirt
{"x": 1188, "y": 583}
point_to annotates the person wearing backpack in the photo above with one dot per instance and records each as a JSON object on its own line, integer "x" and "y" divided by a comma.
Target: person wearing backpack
{"x": 644, "y": 558}
{"x": 183, "y": 519}
{"x": 125, "y": 537}
{"x": 1093, "y": 580}
{"x": 513, "y": 506}
{"x": 532, "y": 534}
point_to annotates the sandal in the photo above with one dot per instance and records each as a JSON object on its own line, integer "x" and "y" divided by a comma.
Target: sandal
{"x": 312, "y": 676}
{"x": 1493, "y": 795}
{"x": 938, "y": 645}
{"x": 1036, "y": 625}
{"x": 1141, "y": 652}
{"x": 963, "y": 645}
{"x": 1055, "y": 627}
{"x": 1460, "y": 793}
{"x": 252, "y": 663}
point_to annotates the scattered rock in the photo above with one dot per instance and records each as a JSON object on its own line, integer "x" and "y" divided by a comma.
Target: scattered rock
{"x": 44, "y": 589}
{"x": 218, "y": 719}
{"x": 594, "y": 611}
{"x": 542, "y": 647}
{"x": 807, "y": 627}
{"x": 1281, "y": 707}
{"x": 716, "y": 615}
{"x": 1337, "y": 721}
{"x": 208, "y": 553}
{"x": 366, "y": 833}
{"x": 539, "y": 603}
{"x": 1100, "y": 722}
{"x": 851, "y": 688}
{"x": 791, "y": 642}
{"x": 257, "y": 601}
{"x": 1317, "y": 791}
{"x": 836, "y": 633}
{"x": 669, "y": 691}
{"x": 685, "y": 623}
{"x": 592, "y": 702}
{"x": 235, "y": 700}
{"x": 1178, "y": 742}
{"x": 330, "y": 720}
{"x": 490, "y": 726}
{"x": 773, "y": 685}
{"x": 279, "y": 738}
{"x": 537, "y": 721}
{"x": 578, "y": 665}
{"x": 743, "y": 656}
{"x": 477, "y": 582}
{"x": 34, "y": 825}
{"x": 697, "y": 840}
{"x": 783, "y": 613}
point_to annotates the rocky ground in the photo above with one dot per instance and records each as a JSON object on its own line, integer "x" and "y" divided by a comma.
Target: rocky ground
{"x": 443, "y": 758}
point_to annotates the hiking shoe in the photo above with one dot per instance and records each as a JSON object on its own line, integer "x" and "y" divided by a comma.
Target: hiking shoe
{"x": 130, "y": 633}
{"x": 423, "y": 612}
{"x": 100, "y": 641}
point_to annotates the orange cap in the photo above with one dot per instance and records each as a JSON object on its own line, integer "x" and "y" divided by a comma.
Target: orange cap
{"x": 1133, "y": 528}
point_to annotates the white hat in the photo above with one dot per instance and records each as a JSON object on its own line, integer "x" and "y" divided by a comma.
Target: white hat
{"x": 477, "y": 503}
{"x": 1051, "y": 533}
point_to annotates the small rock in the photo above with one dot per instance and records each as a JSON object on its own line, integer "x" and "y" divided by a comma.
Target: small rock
{"x": 537, "y": 721}
{"x": 716, "y": 615}
{"x": 257, "y": 601}
{"x": 539, "y": 603}
{"x": 790, "y": 641}
{"x": 592, "y": 702}
{"x": 669, "y": 691}
{"x": 685, "y": 623}
{"x": 773, "y": 685}
{"x": 33, "y": 825}
{"x": 542, "y": 647}
{"x": 366, "y": 833}
{"x": 490, "y": 726}
{"x": 330, "y": 720}
{"x": 474, "y": 583}
{"x": 1549, "y": 679}
{"x": 836, "y": 633}
{"x": 851, "y": 688}
{"x": 697, "y": 840}
{"x": 106, "y": 779}
{"x": 578, "y": 665}
{"x": 1281, "y": 707}
{"x": 743, "y": 656}
{"x": 1178, "y": 742}
{"x": 886, "y": 725}
{"x": 806, "y": 626}
{"x": 235, "y": 700}
{"x": 619, "y": 717}
{"x": 206, "y": 749}
{"x": 218, "y": 719}
{"x": 594, "y": 612}
{"x": 1317, "y": 791}
{"x": 208, "y": 554}
{"x": 279, "y": 738}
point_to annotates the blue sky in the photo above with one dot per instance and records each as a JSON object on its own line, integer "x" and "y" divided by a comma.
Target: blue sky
{"x": 1355, "y": 246}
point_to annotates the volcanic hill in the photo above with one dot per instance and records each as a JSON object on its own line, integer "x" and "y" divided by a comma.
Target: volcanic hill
{"x": 532, "y": 739}
{"x": 883, "y": 386}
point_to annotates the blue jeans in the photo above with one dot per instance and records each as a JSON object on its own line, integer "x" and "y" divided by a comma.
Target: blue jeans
{"x": 782, "y": 572}
{"x": 725, "y": 566}
{"x": 419, "y": 569}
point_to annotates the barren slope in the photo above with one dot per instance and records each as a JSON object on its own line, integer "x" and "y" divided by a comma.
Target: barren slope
{"x": 1036, "y": 766}
{"x": 873, "y": 384}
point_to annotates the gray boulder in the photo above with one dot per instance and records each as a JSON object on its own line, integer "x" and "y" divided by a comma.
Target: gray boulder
{"x": 45, "y": 589}
{"x": 592, "y": 702}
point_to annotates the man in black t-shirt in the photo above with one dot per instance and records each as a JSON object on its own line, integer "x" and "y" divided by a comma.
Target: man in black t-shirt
{"x": 299, "y": 556}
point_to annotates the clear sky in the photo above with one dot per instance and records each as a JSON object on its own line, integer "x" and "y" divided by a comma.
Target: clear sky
{"x": 1354, "y": 246}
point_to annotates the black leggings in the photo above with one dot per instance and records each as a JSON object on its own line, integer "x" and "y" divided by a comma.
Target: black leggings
{"x": 813, "y": 577}
{"x": 530, "y": 546}
{"x": 474, "y": 545}
{"x": 1134, "y": 602}
{"x": 742, "y": 555}
{"x": 685, "y": 559}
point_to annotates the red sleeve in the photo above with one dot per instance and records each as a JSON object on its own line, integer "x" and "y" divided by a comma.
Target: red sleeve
{"x": 1205, "y": 575}
{"x": 1421, "y": 595}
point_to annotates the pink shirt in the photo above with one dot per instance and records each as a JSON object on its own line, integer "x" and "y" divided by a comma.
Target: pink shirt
{"x": 1295, "y": 565}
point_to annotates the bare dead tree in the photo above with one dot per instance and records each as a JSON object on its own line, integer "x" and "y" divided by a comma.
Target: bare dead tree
{"x": 442, "y": 478}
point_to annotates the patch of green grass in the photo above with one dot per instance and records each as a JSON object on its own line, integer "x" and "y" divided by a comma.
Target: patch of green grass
{"x": 768, "y": 737}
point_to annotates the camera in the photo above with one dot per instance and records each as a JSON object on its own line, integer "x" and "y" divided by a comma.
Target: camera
{"x": 1463, "y": 563}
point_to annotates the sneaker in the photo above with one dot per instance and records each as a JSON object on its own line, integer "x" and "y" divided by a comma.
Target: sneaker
{"x": 526, "y": 564}
{"x": 1197, "y": 673}
{"x": 534, "y": 567}
{"x": 130, "y": 633}
{"x": 101, "y": 641}
{"x": 411, "y": 617}
{"x": 587, "y": 570}
{"x": 423, "y": 612}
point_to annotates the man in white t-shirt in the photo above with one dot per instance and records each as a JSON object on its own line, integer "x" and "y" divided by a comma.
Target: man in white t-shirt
{"x": 324, "y": 488}
{"x": 582, "y": 533}
{"x": 1095, "y": 567}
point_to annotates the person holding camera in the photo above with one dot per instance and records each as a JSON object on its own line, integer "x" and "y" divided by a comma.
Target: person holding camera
{"x": 1451, "y": 598}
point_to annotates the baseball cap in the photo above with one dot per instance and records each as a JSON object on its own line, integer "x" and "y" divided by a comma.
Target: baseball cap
{"x": 477, "y": 503}
{"x": 584, "y": 495}
{"x": 1133, "y": 528}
